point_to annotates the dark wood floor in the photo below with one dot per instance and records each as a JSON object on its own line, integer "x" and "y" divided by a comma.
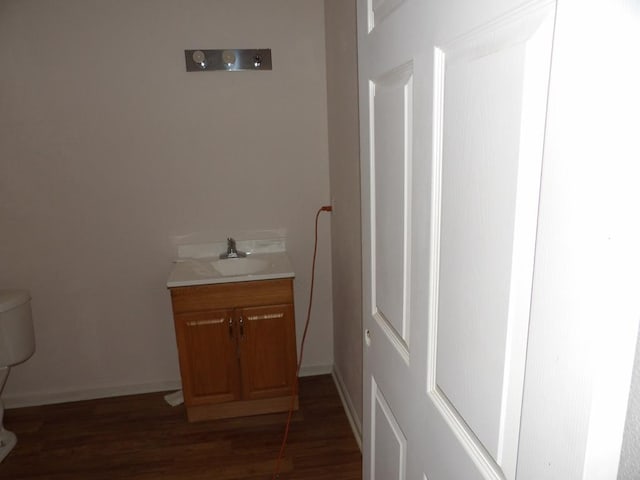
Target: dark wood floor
{"x": 141, "y": 437}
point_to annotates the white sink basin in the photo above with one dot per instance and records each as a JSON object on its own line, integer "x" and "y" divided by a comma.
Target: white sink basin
{"x": 208, "y": 270}
{"x": 231, "y": 267}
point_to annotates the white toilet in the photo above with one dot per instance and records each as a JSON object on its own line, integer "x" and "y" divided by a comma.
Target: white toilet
{"x": 17, "y": 344}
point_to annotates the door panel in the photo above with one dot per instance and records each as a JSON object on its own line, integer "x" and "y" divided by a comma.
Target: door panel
{"x": 489, "y": 122}
{"x": 389, "y": 445}
{"x": 390, "y": 131}
{"x": 379, "y": 10}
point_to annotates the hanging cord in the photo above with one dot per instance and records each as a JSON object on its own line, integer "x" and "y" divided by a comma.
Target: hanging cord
{"x": 276, "y": 472}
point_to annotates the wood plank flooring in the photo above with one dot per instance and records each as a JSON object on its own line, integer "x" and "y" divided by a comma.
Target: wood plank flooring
{"x": 141, "y": 437}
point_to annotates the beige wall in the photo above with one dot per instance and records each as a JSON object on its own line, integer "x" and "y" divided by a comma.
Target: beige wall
{"x": 109, "y": 149}
{"x": 342, "y": 96}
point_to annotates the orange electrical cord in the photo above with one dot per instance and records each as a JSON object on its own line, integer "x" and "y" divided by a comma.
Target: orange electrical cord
{"x": 276, "y": 472}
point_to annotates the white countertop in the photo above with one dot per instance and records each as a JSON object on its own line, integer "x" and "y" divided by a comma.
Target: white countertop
{"x": 201, "y": 270}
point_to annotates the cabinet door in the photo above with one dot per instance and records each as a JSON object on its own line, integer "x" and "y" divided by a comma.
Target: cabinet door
{"x": 209, "y": 364}
{"x": 267, "y": 351}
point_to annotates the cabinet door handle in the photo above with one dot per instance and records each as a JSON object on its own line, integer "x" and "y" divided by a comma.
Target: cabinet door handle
{"x": 241, "y": 327}
{"x": 198, "y": 323}
{"x": 231, "y": 327}
{"x": 266, "y": 316}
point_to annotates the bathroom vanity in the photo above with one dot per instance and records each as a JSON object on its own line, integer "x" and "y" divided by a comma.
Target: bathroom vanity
{"x": 235, "y": 333}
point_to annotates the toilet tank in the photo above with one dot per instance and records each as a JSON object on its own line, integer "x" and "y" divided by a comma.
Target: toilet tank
{"x": 17, "y": 339}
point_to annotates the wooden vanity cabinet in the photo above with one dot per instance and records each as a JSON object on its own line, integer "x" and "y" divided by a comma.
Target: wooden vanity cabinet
{"x": 237, "y": 347}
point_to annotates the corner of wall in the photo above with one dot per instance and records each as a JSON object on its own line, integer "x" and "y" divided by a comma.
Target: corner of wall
{"x": 629, "y": 468}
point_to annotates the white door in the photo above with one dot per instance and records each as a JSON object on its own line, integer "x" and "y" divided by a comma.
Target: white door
{"x": 462, "y": 341}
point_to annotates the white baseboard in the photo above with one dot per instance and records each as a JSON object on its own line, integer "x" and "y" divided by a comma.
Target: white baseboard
{"x": 349, "y": 409}
{"x": 47, "y": 398}
{"x": 312, "y": 370}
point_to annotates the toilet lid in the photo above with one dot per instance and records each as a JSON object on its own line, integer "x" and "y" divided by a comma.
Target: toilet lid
{"x": 12, "y": 298}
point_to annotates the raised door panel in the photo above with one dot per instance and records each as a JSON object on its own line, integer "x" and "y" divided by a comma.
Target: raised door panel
{"x": 388, "y": 442}
{"x": 267, "y": 351}
{"x": 208, "y": 355}
{"x": 491, "y": 86}
{"x": 391, "y": 99}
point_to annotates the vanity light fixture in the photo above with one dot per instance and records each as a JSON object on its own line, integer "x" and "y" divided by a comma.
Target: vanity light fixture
{"x": 230, "y": 60}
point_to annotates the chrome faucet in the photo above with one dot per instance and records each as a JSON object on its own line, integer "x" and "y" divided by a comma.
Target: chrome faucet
{"x": 231, "y": 250}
